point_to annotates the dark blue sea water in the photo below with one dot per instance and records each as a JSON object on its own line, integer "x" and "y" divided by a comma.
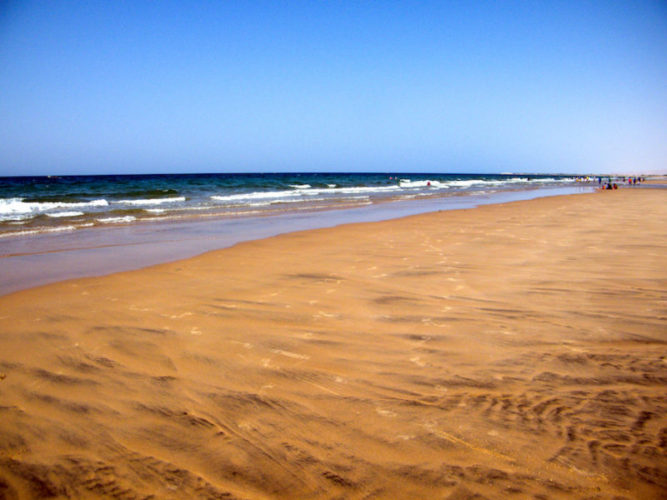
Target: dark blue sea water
{"x": 35, "y": 205}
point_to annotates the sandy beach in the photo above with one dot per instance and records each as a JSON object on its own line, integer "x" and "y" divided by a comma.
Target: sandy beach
{"x": 506, "y": 351}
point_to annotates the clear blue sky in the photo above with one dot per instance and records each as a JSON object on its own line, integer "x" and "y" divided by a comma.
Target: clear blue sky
{"x": 161, "y": 86}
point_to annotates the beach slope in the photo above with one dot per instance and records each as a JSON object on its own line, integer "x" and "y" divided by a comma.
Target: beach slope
{"x": 513, "y": 351}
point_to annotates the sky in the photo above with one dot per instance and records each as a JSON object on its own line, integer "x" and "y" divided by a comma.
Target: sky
{"x": 137, "y": 86}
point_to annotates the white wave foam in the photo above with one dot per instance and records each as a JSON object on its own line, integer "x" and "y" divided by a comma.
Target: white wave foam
{"x": 367, "y": 189}
{"x": 28, "y": 232}
{"x": 407, "y": 183}
{"x": 551, "y": 179}
{"x": 468, "y": 183}
{"x": 17, "y": 209}
{"x": 151, "y": 201}
{"x": 14, "y": 217}
{"x": 304, "y": 194}
{"x": 257, "y": 195}
{"x": 465, "y": 184}
{"x": 65, "y": 214}
{"x": 266, "y": 203}
{"x": 116, "y": 220}
{"x": 11, "y": 208}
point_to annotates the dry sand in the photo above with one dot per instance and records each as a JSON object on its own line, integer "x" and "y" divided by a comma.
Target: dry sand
{"x": 509, "y": 351}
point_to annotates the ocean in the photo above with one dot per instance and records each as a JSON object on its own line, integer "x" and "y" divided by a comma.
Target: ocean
{"x": 37, "y": 205}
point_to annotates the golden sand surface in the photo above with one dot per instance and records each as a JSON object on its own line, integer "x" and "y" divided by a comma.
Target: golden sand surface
{"x": 507, "y": 351}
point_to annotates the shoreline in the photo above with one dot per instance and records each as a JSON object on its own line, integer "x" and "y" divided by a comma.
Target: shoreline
{"x": 52, "y": 205}
{"x": 37, "y": 260}
{"x": 415, "y": 357}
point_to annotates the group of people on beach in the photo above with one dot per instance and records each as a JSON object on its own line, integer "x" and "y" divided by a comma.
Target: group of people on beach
{"x": 608, "y": 184}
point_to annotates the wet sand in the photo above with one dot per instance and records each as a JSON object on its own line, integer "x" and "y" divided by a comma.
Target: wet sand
{"x": 506, "y": 351}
